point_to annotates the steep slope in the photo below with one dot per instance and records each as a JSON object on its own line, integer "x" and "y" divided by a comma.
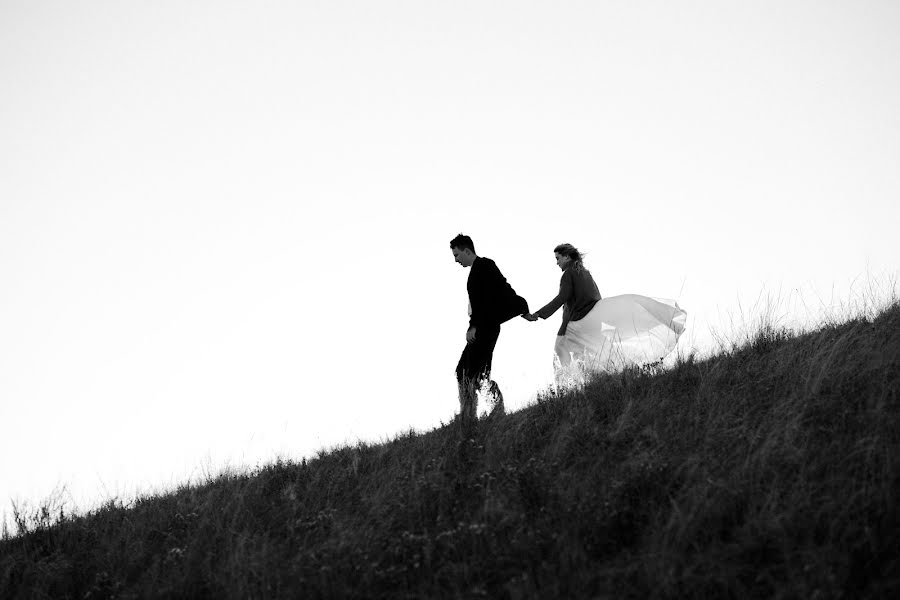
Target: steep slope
{"x": 767, "y": 471}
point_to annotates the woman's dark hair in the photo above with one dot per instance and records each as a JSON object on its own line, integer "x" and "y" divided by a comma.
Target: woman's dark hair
{"x": 462, "y": 242}
{"x": 571, "y": 252}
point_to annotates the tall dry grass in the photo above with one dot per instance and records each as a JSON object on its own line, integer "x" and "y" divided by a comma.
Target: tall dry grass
{"x": 769, "y": 470}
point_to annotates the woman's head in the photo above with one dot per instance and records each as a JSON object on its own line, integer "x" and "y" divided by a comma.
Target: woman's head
{"x": 567, "y": 254}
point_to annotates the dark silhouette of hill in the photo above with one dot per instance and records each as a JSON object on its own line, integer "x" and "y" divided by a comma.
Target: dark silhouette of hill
{"x": 770, "y": 470}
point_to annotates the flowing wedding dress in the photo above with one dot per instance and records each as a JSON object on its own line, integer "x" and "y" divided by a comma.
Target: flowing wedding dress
{"x": 618, "y": 332}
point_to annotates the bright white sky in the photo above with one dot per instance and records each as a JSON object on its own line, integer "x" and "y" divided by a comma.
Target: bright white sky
{"x": 224, "y": 226}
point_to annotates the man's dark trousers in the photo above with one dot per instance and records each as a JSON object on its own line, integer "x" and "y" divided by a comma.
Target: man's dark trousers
{"x": 474, "y": 366}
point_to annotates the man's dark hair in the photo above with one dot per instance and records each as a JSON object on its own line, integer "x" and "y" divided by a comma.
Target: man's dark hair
{"x": 462, "y": 242}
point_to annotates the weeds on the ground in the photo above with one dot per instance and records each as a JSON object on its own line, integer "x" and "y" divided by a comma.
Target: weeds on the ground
{"x": 769, "y": 470}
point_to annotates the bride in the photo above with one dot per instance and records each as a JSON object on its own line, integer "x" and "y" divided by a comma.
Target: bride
{"x": 603, "y": 335}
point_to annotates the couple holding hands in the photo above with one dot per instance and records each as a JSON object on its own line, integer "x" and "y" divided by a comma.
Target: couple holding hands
{"x": 596, "y": 335}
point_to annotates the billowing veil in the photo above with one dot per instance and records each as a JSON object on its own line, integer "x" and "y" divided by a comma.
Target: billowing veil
{"x": 620, "y": 331}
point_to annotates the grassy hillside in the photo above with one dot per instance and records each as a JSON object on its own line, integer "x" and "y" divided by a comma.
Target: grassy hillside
{"x": 770, "y": 470}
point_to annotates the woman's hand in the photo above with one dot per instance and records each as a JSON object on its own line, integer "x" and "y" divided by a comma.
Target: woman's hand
{"x": 530, "y": 317}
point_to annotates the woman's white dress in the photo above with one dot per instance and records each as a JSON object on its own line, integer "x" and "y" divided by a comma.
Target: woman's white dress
{"x": 618, "y": 332}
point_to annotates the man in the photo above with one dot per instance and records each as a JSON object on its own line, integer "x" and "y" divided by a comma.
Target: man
{"x": 492, "y": 301}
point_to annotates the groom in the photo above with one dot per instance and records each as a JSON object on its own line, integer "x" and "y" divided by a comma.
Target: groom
{"x": 492, "y": 301}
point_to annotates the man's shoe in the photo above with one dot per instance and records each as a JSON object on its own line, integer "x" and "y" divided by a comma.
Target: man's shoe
{"x": 497, "y": 408}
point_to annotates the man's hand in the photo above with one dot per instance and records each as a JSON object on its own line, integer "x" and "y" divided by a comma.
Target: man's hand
{"x": 529, "y": 317}
{"x": 470, "y": 335}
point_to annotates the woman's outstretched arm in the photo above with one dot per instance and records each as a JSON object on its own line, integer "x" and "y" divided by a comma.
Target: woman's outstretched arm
{"x": 566, "y": 290}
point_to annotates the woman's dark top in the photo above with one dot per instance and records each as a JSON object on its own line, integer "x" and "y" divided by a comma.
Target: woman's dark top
{"x": 577, "y": 295}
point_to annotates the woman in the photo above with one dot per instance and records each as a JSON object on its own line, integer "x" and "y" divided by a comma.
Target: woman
{"x": 605, "y": 334}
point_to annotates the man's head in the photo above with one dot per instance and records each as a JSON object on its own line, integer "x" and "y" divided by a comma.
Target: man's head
{"x": 463, "y": 250}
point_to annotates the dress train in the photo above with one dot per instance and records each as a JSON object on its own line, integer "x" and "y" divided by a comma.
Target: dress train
{"x": 620, "y": 331}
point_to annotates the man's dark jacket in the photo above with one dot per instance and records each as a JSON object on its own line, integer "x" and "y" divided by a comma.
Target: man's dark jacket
{"x": 492, "y": 299}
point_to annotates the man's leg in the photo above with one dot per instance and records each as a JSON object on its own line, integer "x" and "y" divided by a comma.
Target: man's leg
{"x": 474, "y": 366}
{"x": 468, "y": 385}
{"x": 490, "y": 337}
{"x": 498, "y": 408}
{"x": 468, "y": 400}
